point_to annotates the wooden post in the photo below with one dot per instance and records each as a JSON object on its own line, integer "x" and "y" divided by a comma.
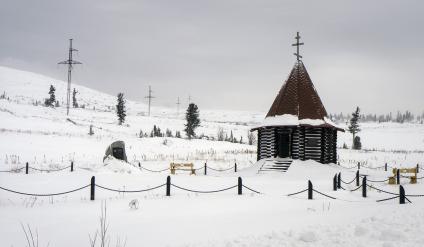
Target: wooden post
{"x": 385, "y": 167}
{"x": 401, "y": 195}
{"x": 240, "y": 186}
{"x": 339, "y": 181}
{"x": 335, "y": 182}
{"x": 206, "y": 169}
{"x": 92, "y": 188}
{"x": 398, "y": 176}
{"x": 235, "y": 167}
{"x": 357, "y": 178}
{"x": 26, "y": 168}
{"x": 72, "y": 166}
{"x": 364, "y": 186}
{"x": 168, "y": 186}
{"x": 310, "y": 188}
{"x": 359, "y": 165}
{"x": 139, "y": 165}
{"x": 418, "y": 168}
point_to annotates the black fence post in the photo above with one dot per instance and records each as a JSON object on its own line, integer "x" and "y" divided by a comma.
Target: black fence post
{"x": 72, "y": 166}
{"x": 397, "y": 176}
{"x": 339, "y": 181}
{"x": 310, "y": 189}
{"x": 359, "y": 165}
{"x": 418, "y": 168}
{"x": 357, "y": 178}
{"x": 92, "y": 188}
{"x": 139, "y": 165}
{"x": 335, "y": 182}
{"x": 235, "y": 167}
{"x": 364, "y": 186}
{"x": 168, "y": 186}
{"x": 401, "y": 195}
{"x": 385, "y": 167}
{"x": 240, "y": 186}
{"x": 205, "y": 169}
{"x": 26, "y": 168}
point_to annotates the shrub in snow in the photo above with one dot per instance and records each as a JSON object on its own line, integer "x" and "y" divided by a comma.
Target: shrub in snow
{"x": 91, "y": 132}
{"x": 251, "y": 138}
{"x": 357, "y": 143}
{"x": 133, "y": 204}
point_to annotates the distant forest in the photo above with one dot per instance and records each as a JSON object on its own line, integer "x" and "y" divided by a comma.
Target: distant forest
{"x": 399, "y": 117}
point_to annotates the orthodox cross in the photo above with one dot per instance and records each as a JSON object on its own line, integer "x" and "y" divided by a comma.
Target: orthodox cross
{"x": 297, "y": 44}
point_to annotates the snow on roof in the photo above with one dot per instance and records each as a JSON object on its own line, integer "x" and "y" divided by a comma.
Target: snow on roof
{"x": 293, "y": 120}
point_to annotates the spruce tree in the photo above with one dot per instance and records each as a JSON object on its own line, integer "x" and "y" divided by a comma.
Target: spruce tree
{"x": 193, "y": 121}
{"x": 52, "y": 99}
{"x": 120, "y": 108}
{"x": 74, "y": 98}
{"x": 354, "y": 125}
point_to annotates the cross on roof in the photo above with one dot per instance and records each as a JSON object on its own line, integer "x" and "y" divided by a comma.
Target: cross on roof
{"x": 297, "y": 44}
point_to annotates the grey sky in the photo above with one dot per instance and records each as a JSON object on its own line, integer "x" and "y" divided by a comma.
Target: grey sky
{"x": 230, "y": 54}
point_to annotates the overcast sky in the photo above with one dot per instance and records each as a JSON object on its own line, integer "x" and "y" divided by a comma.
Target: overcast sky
{"x": 231, "y": 54}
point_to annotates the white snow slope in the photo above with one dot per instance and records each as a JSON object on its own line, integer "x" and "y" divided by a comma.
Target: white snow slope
{"x": 45, "y": 138}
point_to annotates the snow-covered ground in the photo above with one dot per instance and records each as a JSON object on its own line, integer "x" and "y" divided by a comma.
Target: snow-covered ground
{"x": 46, "y": 139}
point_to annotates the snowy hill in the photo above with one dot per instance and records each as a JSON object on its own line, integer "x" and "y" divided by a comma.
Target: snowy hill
{"x": 27, "y": 87}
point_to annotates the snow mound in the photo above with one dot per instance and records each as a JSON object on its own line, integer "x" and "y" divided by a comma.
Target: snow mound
{"x": 114, "y": 165}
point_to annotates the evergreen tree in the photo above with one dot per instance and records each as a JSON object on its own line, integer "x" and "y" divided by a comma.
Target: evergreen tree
{"x": 354, "y": 125}
{"x": 120, "y": 108}
{"x": 74, "y": 98}
{"x": 52, "y": 99}
{"x": 193, "y": 121}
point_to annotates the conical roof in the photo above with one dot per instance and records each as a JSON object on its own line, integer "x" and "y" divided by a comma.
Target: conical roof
{"x": 298, "y": 103}
{"x": 298, "y": 97}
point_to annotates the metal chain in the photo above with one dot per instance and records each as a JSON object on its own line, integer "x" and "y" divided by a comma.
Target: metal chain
{"x": 324, "y": 194}
{"x": 50, "y": 194}
{"x": 349, "y": 182}
{"x": 200, "y": 191}
{"x": 130, "y": 191}
{"x": 387, "y": 192}
{"x": 13, "y": 170}
{"x": 45, "y": 170}
{"x": 292, "y": 194}
{"x": 220, "y": 170}
{"x": 154, "y": 170}
{"x": 252, "y": 189}
{"x": 382, "y": 200}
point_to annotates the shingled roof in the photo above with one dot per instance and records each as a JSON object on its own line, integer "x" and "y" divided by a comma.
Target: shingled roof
{"x": 298, "y": 103}
{"x": 298, "y": 97}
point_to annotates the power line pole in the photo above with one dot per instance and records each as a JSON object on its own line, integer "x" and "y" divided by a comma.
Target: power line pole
{"x": 189, "y": 99}
{"x": 150, "y": 97}
{"x": 178, "y": 106}
{"x": 70, "y": 62}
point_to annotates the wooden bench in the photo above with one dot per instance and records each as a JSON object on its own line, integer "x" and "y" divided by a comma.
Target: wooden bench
{"x": 182, "y": 167}
{"x": 413, "y": 178}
